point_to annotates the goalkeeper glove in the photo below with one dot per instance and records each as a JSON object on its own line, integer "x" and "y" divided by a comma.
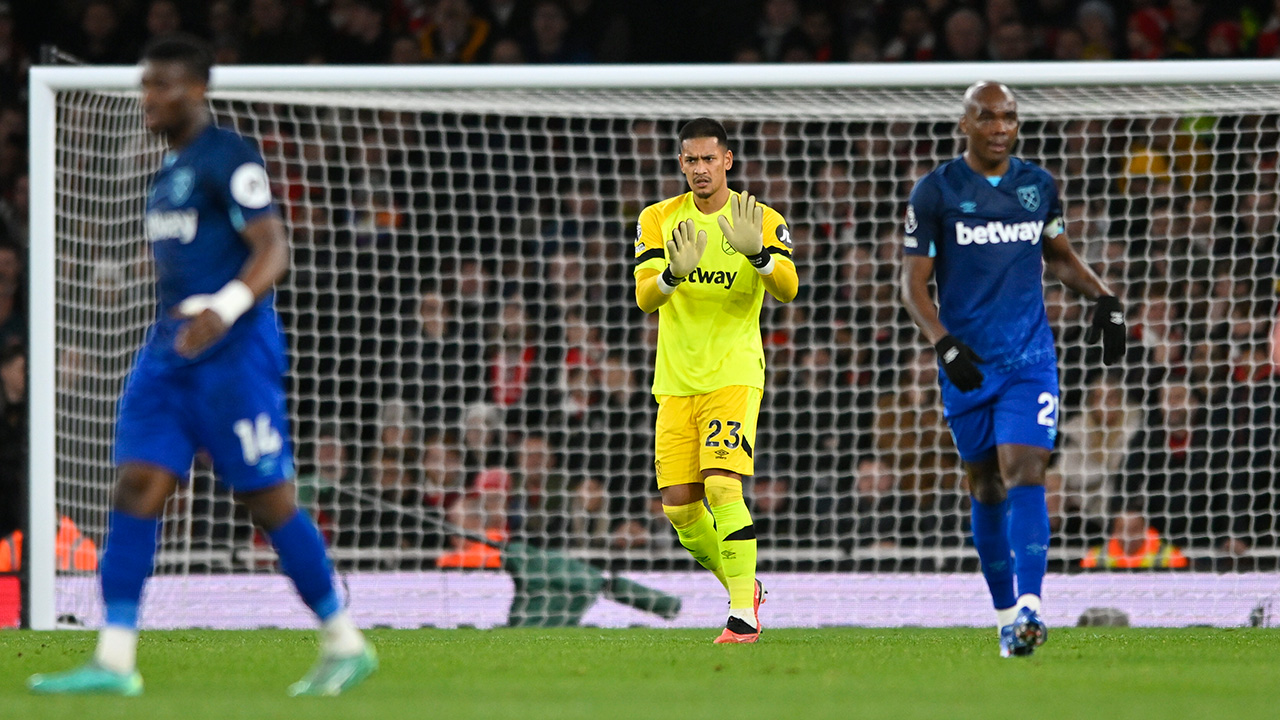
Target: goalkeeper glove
{"x": 1108, "y": 322}
{"x": 684, "y": 252}
{"x": 746, "y": 231}
{"x": 959, "y": 362}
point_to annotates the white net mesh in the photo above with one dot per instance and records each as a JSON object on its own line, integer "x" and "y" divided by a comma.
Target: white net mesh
{"x": 465, "y": 345}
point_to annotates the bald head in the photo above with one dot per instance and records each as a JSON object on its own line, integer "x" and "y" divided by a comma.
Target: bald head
{"x": 990, "y": 122}
{"x": 986, "y": 93}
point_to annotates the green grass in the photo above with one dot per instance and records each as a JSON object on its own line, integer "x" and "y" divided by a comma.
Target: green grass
{"x": 933, "y": 674}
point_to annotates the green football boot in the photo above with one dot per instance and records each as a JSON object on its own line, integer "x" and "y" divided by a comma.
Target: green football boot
{"x": 335, "y": 675}
{"x": 89, "y": 679}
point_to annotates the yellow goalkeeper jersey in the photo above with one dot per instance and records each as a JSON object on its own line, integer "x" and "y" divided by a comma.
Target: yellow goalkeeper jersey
{"x": 709, "y": 332}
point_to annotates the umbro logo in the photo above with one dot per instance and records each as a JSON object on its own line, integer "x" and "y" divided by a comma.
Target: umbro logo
{"x": 1117, "y": 318}
{"x": 968, "y": 206}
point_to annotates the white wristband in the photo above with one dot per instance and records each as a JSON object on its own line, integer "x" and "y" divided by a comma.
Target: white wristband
{"x": 233, "y": 300}
{"x": 230, "y": 302}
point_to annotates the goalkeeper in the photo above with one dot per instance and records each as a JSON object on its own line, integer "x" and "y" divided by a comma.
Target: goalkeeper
{"x": 703, "y": 261}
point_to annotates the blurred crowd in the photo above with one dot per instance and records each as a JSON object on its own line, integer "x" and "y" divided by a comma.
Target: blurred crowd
{"x": 464, "y": 339}
{"x": 611, "y": 31}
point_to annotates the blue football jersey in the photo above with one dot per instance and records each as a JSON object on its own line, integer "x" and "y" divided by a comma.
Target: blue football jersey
{"x": 202, "y": 197}
{"x": 988, "y": 263}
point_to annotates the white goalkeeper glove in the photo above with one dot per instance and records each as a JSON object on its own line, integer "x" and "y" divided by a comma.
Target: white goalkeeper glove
{"x": 684, "y": 252}
{"x": 746, "y": 232}
{"x": 232, "y": 301}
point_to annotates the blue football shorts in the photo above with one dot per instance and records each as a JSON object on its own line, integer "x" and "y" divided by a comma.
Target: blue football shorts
{"x": 1014, "y": 407}
{"x": 229, "y": 405}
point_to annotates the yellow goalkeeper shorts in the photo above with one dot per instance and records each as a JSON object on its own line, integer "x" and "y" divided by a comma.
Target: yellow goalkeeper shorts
{"x": 712, "y": 431}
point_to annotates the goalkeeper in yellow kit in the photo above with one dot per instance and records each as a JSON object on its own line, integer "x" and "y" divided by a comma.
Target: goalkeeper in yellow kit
{"x": 703, "y": 261}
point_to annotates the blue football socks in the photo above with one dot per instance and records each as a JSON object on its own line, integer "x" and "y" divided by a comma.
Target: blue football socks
{"x": 126, "y": 564}
{"x": 1029, "y": 536}
{"x": 303, "y": 559}
{"x": 991, "y": 538}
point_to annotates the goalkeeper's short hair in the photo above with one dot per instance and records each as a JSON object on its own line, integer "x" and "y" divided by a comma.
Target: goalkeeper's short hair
{"x": 705, "y": 127}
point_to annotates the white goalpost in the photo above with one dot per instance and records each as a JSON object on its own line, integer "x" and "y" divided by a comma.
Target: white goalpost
{"x": 465, "y": 348}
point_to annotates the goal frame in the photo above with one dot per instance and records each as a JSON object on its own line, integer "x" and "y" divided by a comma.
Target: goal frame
{"x": 46, "y": 81}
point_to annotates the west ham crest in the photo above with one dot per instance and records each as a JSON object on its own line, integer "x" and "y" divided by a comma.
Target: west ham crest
{"x": 1029, "y": 196}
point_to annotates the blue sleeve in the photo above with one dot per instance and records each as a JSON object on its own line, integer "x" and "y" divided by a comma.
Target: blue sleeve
{"x": 923, "y": 225}
{"x": 240, "y": 178}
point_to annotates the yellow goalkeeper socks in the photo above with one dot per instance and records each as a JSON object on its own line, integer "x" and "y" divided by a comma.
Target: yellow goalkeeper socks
{"x": 697, "y": 534}
{"x": 737, "y": 543}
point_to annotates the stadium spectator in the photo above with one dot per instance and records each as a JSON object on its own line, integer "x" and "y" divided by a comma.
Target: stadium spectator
{"x": 329, "y": 467}
{"x": 864, "y": 48}
{"x": 1092, "y": 447}
{"x": 964, "y": 37}
{"x": 13, "y": 318}
{"x": 163, "y": 18}
{"x": 1267, "y": 44}
{"x": 1175, "y": 464}
{"x": 1010, "y": 42}
{"x": 455, "y": 34}
{"x": 876, "y": 506}
{"x": 1145, "y": 34}
{"x": 506, "y": 18}
{"x": 1134, "y": 545}
{"x": 444, "y": 471}
{"x": 362, "y": 38}
{"x": 15, "y": 212}
{"x": 517, "y": 371}
{"x": 13, "y": 438}
{"x": 589, "y": 521}
{"x": 539, "y": 510}
{"x": 549, "y": 40}
{"x": 1188, "y": 32}
{"x": 13, "y": 58}
{"x": 274, "y": 36}
{"x": 779, "y": 30}
{"x": 912, "y": 439}
{"x": 914, "y": 39}
{"x": 999, "y": 12}
{"x": 224, "y": 31}
{"x": 599, "y": 27}
{"x": 1069, "y": 44}
{"x": 483, "y": 437}
{"x": 507, "y": 51}
{"x": 436, "y": 363}
{"x": 101, "y": 40}
{"x": 480, "y": 513}
{"x": 1097, "y": 22}
{"x": 405, "y": 50}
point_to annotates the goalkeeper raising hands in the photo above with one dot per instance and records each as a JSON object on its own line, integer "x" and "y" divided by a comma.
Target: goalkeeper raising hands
{"x": 703, "y": 261}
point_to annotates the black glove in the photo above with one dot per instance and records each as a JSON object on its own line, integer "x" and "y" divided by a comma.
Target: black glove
{"x": 959, "y": 361}
{"x": 1108, "y": 322}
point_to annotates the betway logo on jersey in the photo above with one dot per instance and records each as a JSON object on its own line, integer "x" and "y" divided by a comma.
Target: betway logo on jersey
{"x": 998, "y": 232}
{"x": 718, "y": 277}
{"x": 177, "y": 225}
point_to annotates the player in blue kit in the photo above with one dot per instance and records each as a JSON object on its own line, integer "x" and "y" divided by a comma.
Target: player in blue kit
{"x": 209, "y": 378}
{"x": 985, "y": 226}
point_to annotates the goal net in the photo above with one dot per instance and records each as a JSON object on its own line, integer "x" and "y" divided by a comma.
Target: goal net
{"x": 466, "y": 354}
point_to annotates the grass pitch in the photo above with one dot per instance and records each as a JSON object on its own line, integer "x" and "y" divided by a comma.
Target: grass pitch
{"x": 933, "y": 674}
